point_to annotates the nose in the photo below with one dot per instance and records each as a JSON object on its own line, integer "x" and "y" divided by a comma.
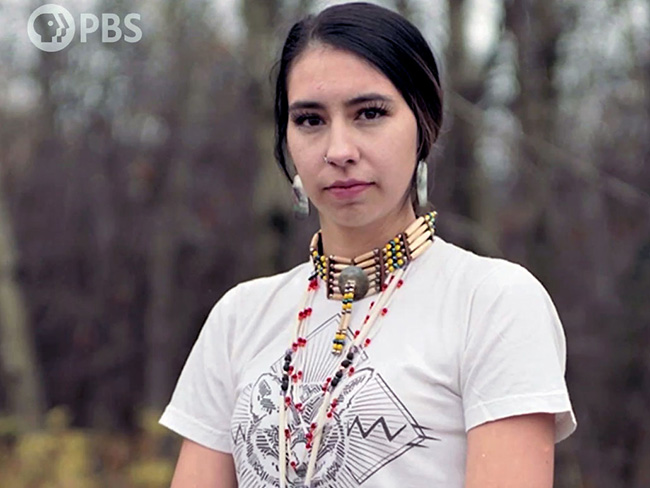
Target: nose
{"x": 341, "y": 147}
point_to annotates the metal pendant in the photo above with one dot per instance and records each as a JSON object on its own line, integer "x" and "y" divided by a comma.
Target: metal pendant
{"x": 358, "y": 277}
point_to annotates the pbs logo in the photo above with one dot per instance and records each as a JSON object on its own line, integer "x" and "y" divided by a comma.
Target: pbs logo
{"x": 52, "y": 28}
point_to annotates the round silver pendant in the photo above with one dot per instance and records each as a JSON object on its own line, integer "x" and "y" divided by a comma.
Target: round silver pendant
{"x": 356, "y": 275}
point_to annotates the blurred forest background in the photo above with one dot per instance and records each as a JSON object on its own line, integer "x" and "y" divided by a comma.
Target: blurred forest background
{"x": 137, "y": 184}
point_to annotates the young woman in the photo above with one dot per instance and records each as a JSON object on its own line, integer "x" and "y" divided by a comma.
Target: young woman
{"x": 391, "y": 357}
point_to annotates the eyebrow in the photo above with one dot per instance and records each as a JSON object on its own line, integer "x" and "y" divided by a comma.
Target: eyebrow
{"x": 364, "y": 98}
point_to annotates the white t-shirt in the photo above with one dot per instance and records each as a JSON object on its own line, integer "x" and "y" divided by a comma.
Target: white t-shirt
{"x": 466, "y": 340}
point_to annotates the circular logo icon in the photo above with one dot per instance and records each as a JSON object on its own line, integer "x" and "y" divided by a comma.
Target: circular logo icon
{"x": 51, "y": 28}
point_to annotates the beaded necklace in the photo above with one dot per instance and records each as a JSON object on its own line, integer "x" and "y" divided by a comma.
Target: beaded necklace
{"x": 349, "y": 279}
{"x": 346, "y": 280}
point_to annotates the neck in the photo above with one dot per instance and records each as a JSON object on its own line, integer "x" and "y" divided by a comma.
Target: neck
{"x": 351, "y": 241}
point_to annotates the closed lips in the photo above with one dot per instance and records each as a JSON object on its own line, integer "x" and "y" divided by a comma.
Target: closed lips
{"x": 348, "y": 184}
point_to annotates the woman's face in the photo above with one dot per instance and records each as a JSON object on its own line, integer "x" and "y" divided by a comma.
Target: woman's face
{"x": 342, "y": 107}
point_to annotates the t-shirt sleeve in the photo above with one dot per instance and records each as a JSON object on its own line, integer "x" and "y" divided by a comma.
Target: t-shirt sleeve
{"x": 514, "y": 357}
{"x": 202, "y": 403}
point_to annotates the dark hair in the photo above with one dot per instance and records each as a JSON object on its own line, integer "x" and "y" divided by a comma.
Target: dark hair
{"x": 385, "y": 39}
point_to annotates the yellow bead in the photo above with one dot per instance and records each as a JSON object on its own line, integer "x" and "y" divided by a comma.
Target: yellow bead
{"x": 389, "y": 253}
{"x": 391, "y": 269}
{"x": 400, "y": 262}
{"x": 387, "y": 247}
{"x": 397, "y": 247}
{"x": 399, "y": 255}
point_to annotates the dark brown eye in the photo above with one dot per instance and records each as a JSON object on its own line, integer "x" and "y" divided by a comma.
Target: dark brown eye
{"x": 312, "y": 120}
{"x": 373, "y": 113}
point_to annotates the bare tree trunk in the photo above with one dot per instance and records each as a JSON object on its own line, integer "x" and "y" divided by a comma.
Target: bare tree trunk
{"x": 545, "y": 200}
{"x": 168, "y": 198}
{"x": 460, "y": 187}
{"x": 20, "y": 373}
{"x": 279, "y": 235}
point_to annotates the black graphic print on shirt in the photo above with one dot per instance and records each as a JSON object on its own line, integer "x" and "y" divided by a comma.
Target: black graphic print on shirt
{"x": 370, "y": 427}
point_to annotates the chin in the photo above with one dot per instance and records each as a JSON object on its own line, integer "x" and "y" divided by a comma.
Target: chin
{"x": 352, "y": 215}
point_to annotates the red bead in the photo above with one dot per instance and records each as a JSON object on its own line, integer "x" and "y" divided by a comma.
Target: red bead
{"x": 335, "y": 402}
{"x": 366, "y": 319}
{"x": 329, "y": 415}
{"x": 300, "y": 374}
{"x": 367, "y": 342}
{"x": 351, "y": 370}
{"x": 313, "y": 426}
{"x": 293, "y": 464}
{"x": 287, "y": 401}
{"x": 356, "y": 333}
{"x": 308, "y": 445}
{"x": 287, "y": 434}
{"x": 298, "y": 406}
{"x": 308, "y": 311}
{"x": 294, "y": 377}
{"x": 384, "y": 311}
{"x": 371, "y": 304}
{"x": 309, "y": 435}
{"x": 400, "y": 283}
{"x": 290, "y": 370}
{"x": 383, "y": 287}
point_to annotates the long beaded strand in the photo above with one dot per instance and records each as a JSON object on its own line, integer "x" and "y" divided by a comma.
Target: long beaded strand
{"x": 379, "y": 307}
{"x": 419, "y": 239}
{"x": 297, "y": 341}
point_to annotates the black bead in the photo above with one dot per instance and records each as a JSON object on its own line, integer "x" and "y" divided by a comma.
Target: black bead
{"x": 338, "y": 374}
{"x": 345, "y": 363}
{"x": 350, "y": 356}
{"x": 334, "y": 382}
{"x": 286, "y": 366}
{"x": 287, "y": 357}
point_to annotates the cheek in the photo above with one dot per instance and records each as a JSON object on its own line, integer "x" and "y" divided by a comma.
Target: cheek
{"x": 290, "y": 142}
{"x": 296, "y": 147}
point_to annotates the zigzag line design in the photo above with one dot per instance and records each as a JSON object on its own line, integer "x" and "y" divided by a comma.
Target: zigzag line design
{"x": 380, "y": 420}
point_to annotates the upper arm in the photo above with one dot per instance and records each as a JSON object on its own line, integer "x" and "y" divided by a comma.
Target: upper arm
{"x": 201, "y": 467}
{"x": 513, "y": 452}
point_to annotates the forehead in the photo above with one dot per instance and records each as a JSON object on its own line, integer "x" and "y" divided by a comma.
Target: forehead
{"x": 323, "y": 71}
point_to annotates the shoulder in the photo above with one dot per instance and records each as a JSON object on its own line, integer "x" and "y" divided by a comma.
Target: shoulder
{"x": 499, "y": 298}
{"x": 248, "y": 295}
{"x": 265, "y": 285}
{"x": 477, "y": 274}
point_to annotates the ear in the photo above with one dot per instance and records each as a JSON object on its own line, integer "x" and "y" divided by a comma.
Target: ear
{"x": 265, "y": 396}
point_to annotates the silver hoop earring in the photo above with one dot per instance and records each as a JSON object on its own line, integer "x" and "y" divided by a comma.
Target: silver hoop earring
{"x": 421, "y": 184}
{"x": 300, "y": 200}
